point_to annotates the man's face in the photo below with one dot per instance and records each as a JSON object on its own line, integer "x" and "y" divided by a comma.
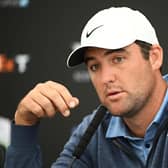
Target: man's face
{"x": 123, "y": 79}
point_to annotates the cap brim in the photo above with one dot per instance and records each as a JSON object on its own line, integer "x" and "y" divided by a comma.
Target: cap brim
{"x": 76, "y": 57}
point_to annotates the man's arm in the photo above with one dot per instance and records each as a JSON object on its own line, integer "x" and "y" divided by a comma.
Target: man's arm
{"x": 23, "y": 152}
{"x": 44, "y": 100}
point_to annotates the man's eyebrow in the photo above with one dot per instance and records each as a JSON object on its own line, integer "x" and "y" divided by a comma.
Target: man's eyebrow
{"x": 110, "y": 51}
{"x": 87, "y": 59}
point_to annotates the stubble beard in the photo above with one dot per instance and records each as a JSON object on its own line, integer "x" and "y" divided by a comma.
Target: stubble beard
{"x": 130, "y": 106}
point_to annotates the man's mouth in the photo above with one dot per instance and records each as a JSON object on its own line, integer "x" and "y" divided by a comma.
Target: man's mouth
{"x": 113, "y": 95}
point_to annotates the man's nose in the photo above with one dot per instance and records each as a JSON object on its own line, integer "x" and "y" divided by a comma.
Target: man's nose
{"x": 108, "y": 74}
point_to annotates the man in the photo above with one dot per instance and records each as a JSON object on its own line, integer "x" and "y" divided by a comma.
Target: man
{"x": 121, "y": 51}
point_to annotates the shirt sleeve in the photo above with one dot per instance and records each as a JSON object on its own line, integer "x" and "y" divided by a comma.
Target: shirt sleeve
{"x": 23, "y": 150}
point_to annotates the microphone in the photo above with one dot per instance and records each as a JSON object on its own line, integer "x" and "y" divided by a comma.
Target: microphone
{"x": 88, "y": 133}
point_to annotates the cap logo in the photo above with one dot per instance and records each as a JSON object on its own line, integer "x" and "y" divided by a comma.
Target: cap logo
{"x": 89, "y": 33}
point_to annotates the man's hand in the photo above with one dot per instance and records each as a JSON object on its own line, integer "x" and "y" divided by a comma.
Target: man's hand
{"x": 44, "y": 100}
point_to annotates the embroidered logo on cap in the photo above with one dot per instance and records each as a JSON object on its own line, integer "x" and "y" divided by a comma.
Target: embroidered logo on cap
{"x": 89, "y": 33}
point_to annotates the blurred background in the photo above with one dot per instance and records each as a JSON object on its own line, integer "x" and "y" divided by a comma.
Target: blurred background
{"x": 35, "y": 39}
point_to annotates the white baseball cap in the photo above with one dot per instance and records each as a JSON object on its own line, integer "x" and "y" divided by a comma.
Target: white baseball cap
{"x": 113, "y": 28}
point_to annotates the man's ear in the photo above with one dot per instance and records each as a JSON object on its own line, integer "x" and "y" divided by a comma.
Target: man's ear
{"x": 156, "y": 56}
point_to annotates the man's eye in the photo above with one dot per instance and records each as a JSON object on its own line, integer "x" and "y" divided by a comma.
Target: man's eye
{"x": 118, "y": 59}
{"x": 93, "y": 67}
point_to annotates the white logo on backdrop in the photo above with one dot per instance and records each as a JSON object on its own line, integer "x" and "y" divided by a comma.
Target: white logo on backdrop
{"x": 22, "y": 60}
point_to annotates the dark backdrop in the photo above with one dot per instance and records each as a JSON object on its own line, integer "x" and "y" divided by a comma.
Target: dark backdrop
{"x": 44, "y": 32}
